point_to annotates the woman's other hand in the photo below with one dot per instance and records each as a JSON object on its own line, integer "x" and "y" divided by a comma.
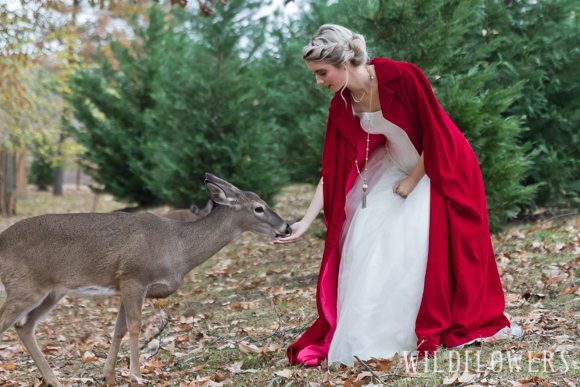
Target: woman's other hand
{"x": 405, "y": 186}
{"x": 298, "y": 229}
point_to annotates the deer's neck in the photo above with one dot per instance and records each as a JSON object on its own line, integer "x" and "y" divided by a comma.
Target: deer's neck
{"x": 205, "y": 237}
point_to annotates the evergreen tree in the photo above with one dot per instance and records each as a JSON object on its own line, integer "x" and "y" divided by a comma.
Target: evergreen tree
{"x": 41, "y": 172}
{"x": 176, "y": 102}
{"x": 210, "y": 99}
{"x": 539, "y": 47}
{"x": 293, "y": 100}
{"x": 111, "y": 101}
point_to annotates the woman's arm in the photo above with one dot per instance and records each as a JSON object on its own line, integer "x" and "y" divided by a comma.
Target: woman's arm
{"x": 419, "y": 170}
{"x": 315, "y": 205}
{"x": 405, "y": 186}
{"x": 302, "y": 226}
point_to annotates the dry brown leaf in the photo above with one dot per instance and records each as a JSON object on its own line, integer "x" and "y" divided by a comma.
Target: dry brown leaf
{"x": 276, "y": 290}
{"x": 249, "y": 348}
{"x": 8, "y": 366}
{"x": 89, "y": 357}
{"x": 273, "y": 347}
{"x": 220, "y": 376}
{"x": 285, "y": 373}
{"x": 531, "y": 382}
{"x": 235, "y": 367}
{"x": 570, "y": 290}
{"x": 535, "y": 355}
{"x": 364, "y": 374}
{"x": 453, "y": 379}
{"x": 182, "y": 339}
{"x": 381, "y": 364}
{"x": 467, "y": 377}
{"x": 183, "y": 328}
{"x": 355, "y": 383}
{"x": 564, "y": 348}
{"x": 51, "y": 349}
{"x": 154, "y": 363}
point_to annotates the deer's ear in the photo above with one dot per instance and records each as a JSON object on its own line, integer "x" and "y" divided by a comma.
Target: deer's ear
{"x": 208, "y": 207}
{"x": 221, "y": 195}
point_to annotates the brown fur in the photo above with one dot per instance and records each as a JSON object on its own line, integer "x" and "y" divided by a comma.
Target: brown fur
{"x": 191, "y": 214}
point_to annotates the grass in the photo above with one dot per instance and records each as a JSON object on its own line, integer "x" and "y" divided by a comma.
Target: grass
{"x": 233, "y": 319}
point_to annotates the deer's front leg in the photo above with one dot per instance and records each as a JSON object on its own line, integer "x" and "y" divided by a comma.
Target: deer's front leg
{"x": 132, "y": 295}
{"x": 120, "y": 331}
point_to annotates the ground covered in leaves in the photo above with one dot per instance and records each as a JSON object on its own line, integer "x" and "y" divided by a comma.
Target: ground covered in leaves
{"x": 233, "y": 319}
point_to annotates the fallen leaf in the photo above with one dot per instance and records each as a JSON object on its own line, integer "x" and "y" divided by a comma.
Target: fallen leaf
{"x": 249, "y": 348}
{"x": 235, "y": 367}
{"x": 467, "y": 377}
{"x": 531, "y": 382}
{"x": 364, "y": 374}
{"x": 453, "y": 379}
{"x": 381, "y": 364}
{"x": 285, "y": 373}
{"x": 8, "y": 366}
{"x": 89, "y": 357}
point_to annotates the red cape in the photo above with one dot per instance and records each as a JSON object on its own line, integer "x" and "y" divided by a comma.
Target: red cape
{"x": 462, "y": 297}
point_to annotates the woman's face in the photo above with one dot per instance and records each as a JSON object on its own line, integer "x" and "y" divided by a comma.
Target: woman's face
{"x": 328, "y": 75}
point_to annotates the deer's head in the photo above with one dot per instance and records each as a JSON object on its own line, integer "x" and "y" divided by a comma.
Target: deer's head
{"x": 257, "y": 216}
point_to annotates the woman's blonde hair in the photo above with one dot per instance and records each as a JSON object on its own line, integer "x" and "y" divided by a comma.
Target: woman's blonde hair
{"x": 335, "y": 45}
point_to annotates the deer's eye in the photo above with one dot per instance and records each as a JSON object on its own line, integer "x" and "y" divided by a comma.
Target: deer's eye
{"x": 259, "y": 210}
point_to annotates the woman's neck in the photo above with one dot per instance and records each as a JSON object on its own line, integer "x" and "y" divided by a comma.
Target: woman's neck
{"x": 359, "y": 80}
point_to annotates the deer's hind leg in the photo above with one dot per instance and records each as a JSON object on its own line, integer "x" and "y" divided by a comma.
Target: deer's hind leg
{"x": 17, "y": 305}
{"x": 26, "y": 334}
{"x": 120, "y": 331}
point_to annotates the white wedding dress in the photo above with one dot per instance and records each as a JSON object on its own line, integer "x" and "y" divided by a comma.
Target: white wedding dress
{"x": 384, "y": 254}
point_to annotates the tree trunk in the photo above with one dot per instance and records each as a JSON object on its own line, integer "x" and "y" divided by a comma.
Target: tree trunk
{"x": 3, "y": 183}
{"x": 7, "y": 183}
{"x": 58, "y": 171}
{"x": 21, "y": 174}
{"x": 57, "y": 188}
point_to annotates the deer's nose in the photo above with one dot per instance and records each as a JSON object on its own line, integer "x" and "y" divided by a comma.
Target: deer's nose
{"x": 288, "y": 229}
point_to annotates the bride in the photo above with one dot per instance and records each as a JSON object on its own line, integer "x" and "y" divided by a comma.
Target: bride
{"x": 408, "y": 263}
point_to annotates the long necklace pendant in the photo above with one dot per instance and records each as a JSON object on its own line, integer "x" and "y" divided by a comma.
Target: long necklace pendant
{"x": 365, "y": 188}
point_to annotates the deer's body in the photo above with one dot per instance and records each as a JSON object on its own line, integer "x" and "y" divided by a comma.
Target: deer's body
{"x": 160, "y": 251}
{"x": 135, "y": 256}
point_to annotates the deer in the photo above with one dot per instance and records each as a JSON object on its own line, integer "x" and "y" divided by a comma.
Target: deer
{"x": 189, "y": 214}
{"x": 133, "y": 255}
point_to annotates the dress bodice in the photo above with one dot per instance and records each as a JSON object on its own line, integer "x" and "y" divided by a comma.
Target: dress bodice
{"x": 399, "y": 146}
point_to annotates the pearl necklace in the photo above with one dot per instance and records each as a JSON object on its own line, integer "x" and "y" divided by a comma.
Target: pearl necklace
{"x": 357, "y": 100}
{"x": 365, "y": 186}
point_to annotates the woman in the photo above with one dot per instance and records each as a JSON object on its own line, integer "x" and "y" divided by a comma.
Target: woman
{"x": 408, "y": 262}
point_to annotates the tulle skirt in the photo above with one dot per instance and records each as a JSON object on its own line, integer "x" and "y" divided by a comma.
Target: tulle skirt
{"x": 382, "y": 269}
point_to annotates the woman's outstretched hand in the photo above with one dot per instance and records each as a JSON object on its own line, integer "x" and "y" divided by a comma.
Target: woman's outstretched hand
{"x": 298, "y": 229}
{"x": 405, "y": 186}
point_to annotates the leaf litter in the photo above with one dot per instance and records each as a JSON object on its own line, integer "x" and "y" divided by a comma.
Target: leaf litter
{"x": 231, "y": 322}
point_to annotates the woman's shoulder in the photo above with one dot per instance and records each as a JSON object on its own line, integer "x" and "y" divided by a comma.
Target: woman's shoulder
{"x": 407, "y": 75}
{"x": 392, "y": 69}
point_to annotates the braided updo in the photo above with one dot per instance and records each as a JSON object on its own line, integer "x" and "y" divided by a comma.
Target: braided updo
{"x": 334, "y": 44}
